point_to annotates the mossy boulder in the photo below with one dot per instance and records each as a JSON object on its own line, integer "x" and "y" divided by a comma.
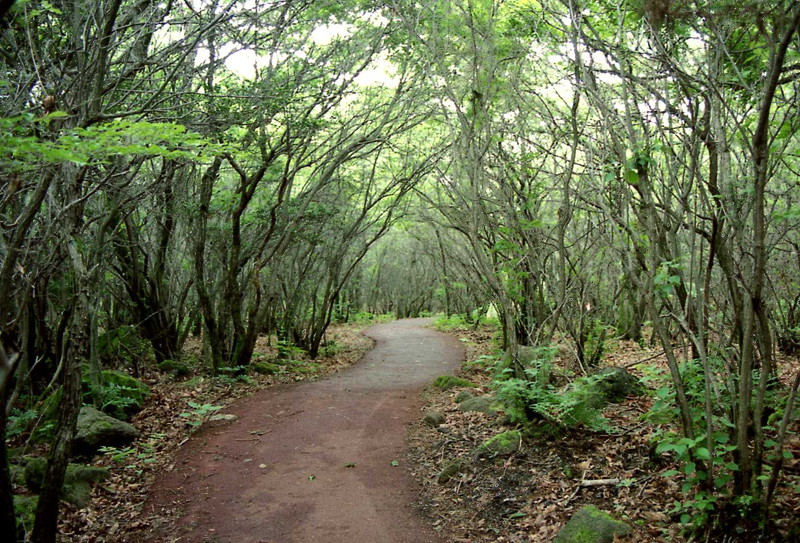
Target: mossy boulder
{"x": 450, "y": 470}
{"x": 174, "y": 367}
{"x": 613, "y": 385}
{"x": 266, "y": 368}
{"x": 77, "y": 480}
{"x": 463, "y": 396}
{"x": 96, "y": 429}
{"x": 479, "y": 404}
{"x": 446, "y": 382}
{"x": 122, "y": 395}
{"x": 591, "y": 525}
{"x": 503, "y": 444}
{"x": 434, "y": 418}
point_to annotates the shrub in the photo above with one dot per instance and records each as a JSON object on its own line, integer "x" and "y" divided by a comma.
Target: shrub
{"x": 535, "y": 398}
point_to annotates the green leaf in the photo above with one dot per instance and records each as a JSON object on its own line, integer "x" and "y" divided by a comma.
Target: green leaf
{"x": 395, "y": 463}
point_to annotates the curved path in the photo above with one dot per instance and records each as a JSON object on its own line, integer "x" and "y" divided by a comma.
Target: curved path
{"x": 314, "y": 462}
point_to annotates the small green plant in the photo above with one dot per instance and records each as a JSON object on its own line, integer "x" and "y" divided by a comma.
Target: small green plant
{"x": 288, "y": 351}
{"x": 331, "y": 348}
{"x": 234, "y": 375}
{"x": 199, "y": 413}
{"x": 131, "y": 456}
{"x": 19, "y": 421}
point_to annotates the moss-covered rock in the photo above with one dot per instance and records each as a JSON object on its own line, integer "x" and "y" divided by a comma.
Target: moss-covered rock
{"x": 503, "y": 444}
{"x": 266, "y": 368}
{"x": 479, "y": 404}
{"x": 446, "y": 382}
{"x": 96, "y": 429}
{"x": 463, "y": 396}
{"x": 450, "y": 470}
{"x": 434, "y": 418}
{"x": 174, "y": 367}
{"x": 591, "y": 525}
{"x": 615, "y": 384}
{"x": 77, "y": 481}
{"x": 122, "y": 395}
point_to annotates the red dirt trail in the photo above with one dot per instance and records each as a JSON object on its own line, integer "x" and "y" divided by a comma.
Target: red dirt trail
{"x": 283, "y": 472}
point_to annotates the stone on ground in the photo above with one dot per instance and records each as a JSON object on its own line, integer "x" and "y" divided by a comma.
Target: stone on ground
{"x": 479, "y": 404}
{"x": 77, "y": 481}
{"x": 591, "y": 525}
{"x": 446, "y": 382}
{"x": 96, "y": 429}
{"x": 503, "y": 444}
{"x": 450, "y": 470}
{"x": 434, "y": 418}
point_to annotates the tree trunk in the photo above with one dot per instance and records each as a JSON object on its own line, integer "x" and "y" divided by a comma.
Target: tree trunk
{"x": 46, "y": 522}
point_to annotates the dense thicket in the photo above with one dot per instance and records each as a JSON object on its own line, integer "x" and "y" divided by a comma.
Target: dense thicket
{"x": 582, "y": 167}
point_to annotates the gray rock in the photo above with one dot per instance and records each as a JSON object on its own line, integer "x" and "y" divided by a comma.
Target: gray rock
{"x": 480, "y": 404}
{"x": 591, "y": 525}
{"x": 77, "y": 481}
{"x": 463, "y": 396}
{"x": 450, "y": 470}
{"x": 434, "y": 418}
{"x": 96, "y": 429}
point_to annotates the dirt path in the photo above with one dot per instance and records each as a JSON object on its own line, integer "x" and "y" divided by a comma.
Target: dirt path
{"x": 313, "y": 461}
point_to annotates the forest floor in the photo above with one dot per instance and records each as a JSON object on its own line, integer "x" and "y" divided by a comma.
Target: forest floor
{"x": 526, "y": 497}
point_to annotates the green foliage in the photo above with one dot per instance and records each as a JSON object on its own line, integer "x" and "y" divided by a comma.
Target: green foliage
{"x": 133, "y": 456}
{"x": 233, "y": 375}
{"x": 289, "y": 351}
{"x": 694, "y": 458}
{"x": 20, "y": 421}
{"x": 199, "y": 413}
{"x": 21, "y": 146}
{"x": 365, "y": 317}
{"x": 124, "y": 345}
{"x": 534, "y": 397}
{"x": 330, "y": 348}
{"x": 120, "y": 395}
{"x": 595, "y": 345}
